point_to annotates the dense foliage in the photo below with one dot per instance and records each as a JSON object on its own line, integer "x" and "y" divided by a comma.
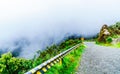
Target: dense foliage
{"x": 109, "y": 40}
{"x": 69, "y": 63}
{"x": 115, "y": 28}
{"x": 12, "y": 65}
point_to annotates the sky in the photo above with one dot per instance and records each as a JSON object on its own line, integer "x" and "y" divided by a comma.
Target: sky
{"x": 37, "y": 22}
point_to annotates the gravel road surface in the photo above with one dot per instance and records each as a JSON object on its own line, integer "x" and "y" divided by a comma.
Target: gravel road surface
{"x": 99, "y": 60}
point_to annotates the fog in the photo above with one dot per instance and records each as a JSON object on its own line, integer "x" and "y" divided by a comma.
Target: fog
{"x": 30, "y": 25}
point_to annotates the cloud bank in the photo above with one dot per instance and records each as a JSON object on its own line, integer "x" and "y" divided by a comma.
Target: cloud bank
{"x": 27, "y": 26}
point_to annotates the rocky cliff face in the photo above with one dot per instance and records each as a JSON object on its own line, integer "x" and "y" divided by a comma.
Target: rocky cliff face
{"x": 104, "y": 33}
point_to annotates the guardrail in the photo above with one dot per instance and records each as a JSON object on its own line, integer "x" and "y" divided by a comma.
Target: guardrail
{"x": 42, "y": 68}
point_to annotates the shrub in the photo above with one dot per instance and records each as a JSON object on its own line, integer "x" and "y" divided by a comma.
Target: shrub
{"x": 12, "y": 65}
{"x": 109, "y": 40}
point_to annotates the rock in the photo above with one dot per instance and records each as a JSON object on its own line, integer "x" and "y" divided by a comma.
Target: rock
{"x": 104, "y": 33}
{"x": 116, "y": 41}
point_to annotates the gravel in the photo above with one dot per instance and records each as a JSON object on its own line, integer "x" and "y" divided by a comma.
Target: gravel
{"x": 99, "y": 60}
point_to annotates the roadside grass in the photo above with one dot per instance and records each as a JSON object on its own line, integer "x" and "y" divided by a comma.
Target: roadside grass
{"x": 103, "y": 44}
{"x": 117, "y": 45}
{"x": 69, "y": 64}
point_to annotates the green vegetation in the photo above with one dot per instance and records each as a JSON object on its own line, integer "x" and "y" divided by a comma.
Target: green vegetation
{"x": 69, "y": 63}
{"x": 109, "y": 39}
{"x": 115, "y": 28}
{"x": 117, "y": 45}
{"x": 54, "y": 50}
{"x": 12, "y": 65}
{"x": 103, "y": 44}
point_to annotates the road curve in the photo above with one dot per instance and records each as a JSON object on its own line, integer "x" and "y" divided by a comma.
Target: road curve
{"x": 99, "y": 60}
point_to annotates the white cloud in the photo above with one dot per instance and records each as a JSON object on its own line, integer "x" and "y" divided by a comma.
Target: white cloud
{"x": 44, "y": 19}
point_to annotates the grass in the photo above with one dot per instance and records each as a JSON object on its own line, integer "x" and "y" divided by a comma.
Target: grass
{"x": 69, "y": 64}
{"x": 117, "y": 45}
